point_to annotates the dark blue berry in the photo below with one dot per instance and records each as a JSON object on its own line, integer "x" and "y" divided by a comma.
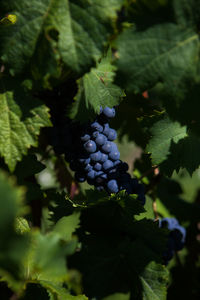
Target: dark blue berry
{"x": 125, "y": 177}
{"x": 113, "y": 173}
{"x": 134, "y": 184}
{"x": 176, "y": 237}
{"x": 106, "y": 129}
{"x": 114, "y": 154}
{"x": 80, "y": 177}
{"x": 141, "y": 198}
{"x": 96, "y": 156}
{"x": 88, "y": 168}
{"x": 104, "y": 157}
{"x": 91, "y": 174}
{"x": 107, "y": 147}
{"x": 123, "y": 167}
{"x": 112, "y": 186}
{"x": 107, "y": 164}
{"x": 100, "y": 139}
{"x": 112, "y": 134}
{"x": 96, "y": 126}
{"x": 85, "y": 137}
{"x": 84, "y": 160}
{"x": 101, "y": 178}
{"x": 109, "y": 112}
{"x": 74, "y": 166}
{"x": 95, "y": 134}
{"x": 117, "y": 163}
{"x": 90, "y": 146}
{"x": 98, "y": 167}
{"x": 100, "y": 188}
{"x": 99, "y": 173}
{"x": 169, "y": 223}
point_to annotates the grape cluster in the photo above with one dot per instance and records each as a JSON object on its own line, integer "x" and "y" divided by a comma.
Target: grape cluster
{"x": 96, "y": 158}
{"x": 176, "y": 238}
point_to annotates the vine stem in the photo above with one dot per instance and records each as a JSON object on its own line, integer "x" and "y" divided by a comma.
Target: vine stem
{"x": 65, "y": 178}
{"x": 153, "y": 169}
{"x": 155, "y": 210}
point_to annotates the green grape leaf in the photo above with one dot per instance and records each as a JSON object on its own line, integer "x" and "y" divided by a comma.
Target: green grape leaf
{"x": 150, "y": 56}
{"x": 189, "y": 184}
{"x": 154, "y": 281}
{"x": 46, "y": 220}
{"x": 67, "y": 225}
{"x": 22, "y": 116}
{"x": 9, "y": 203}
{"x": 13, "y": 246}
{"x": 76, "y": 32}
{"x": 96, "y": 89}
{"x": 149, "y": 213}
{"x": 57, "y": 292}
{"x": 46, "y": 258}
{"x": 162, "y": 210}
{"x": 164, "y": 132}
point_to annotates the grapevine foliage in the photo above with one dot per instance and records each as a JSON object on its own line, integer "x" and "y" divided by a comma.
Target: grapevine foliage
{"x": 99, "y": 110}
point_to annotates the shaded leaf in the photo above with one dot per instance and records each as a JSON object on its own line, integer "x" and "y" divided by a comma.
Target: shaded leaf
{"x": 154, "y": 281}
{"x": 187, "y": 12}
{"x": 180, "y": 101}
{"x": 75, "y": 31}
{"x": 169, "y": 193}
{"x": 163, "y": 53}
{"x": 111, "y": 251}
{"x": 184, "y": 154}
{"x": 163, "y": 133}
{"x": 58, "y": 204}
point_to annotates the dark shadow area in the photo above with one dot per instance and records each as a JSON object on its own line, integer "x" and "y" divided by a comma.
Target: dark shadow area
{"x": 115, "y": 249}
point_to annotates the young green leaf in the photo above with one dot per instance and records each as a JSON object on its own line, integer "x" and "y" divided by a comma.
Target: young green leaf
{"x": 22, "y": 116}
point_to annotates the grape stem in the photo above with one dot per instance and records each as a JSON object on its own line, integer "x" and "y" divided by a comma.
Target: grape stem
{"x": 155, "y": 210}
{"x": 152, "y": 169}
{"x": 65, "y": 178}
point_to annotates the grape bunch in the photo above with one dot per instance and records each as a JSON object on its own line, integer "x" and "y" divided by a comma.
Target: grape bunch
{"x": 95, "y": 157}
{"x": 176, "y": 238}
